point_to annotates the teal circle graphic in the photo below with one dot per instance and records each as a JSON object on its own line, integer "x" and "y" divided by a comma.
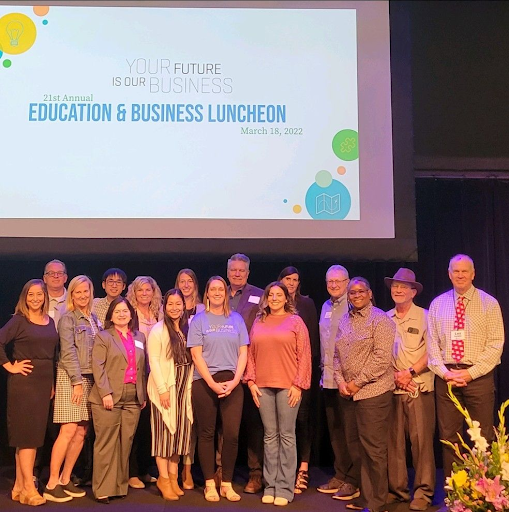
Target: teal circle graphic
{"x": 328, "y": 203}
{"x": 323, "y": 179}
{"x": 345, "y": 145}
{"x": 1, "y": 53}
{"x": 44, "y": 22}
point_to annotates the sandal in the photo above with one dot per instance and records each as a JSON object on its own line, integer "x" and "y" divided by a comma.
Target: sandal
{"x": 34, "y": 499}
{"x": 15, "y": 495}
{"x": 301, "y": 482}
{"x": 228, "y": 493}
{"x": 210, "y": 493}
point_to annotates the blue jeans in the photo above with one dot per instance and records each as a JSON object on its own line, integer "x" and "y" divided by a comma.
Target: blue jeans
{"x": 280, "y": 449}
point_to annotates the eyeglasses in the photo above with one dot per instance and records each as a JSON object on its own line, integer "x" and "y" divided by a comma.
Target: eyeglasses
{"x": 116, "y": 283}
{"x": 354, "y": 293}
{"x": 335, "y": 282}
{"x": 50, "y": 273}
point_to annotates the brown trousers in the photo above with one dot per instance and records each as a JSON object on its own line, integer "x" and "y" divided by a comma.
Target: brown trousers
{"x": 412, "y": 418}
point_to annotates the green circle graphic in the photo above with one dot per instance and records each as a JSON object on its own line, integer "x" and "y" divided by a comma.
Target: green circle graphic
{"x": 345, "y": 145}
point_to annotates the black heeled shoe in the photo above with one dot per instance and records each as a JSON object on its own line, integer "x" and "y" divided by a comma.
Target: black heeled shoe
{"x": 104, "y": 501}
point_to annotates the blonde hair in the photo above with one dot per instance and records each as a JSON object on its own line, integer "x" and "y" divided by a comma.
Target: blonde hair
{"x": 226, "y": 303}
{"x": 75, "y": 282}
{"x": 21, "y": 306}
{"x": 192, "y": 275}
{"x": 157, "y": 298}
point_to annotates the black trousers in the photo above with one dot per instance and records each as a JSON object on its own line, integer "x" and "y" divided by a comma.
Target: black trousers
{"x": 478, "y": 396}
{"x": 335, "y": 412}
{"x": 206, "y": 406}
{"x": 366, "y": 429}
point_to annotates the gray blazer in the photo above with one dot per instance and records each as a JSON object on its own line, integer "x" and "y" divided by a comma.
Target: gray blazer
{"x": 109, "y": 363}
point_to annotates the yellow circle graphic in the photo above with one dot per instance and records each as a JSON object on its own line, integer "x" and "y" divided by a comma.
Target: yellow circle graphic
{"x": 297, "y": 208}
{"x": 17, "y": 33}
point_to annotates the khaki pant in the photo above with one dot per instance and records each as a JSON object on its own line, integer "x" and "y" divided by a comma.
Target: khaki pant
{"x": 412, "y": 418}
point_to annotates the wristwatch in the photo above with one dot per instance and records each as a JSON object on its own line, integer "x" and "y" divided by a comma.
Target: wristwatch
{"x": 413, "y": 373}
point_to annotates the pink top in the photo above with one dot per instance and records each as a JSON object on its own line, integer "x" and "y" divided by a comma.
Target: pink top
{"x": 280, "y": 353}
{"x": 130, "y": 371}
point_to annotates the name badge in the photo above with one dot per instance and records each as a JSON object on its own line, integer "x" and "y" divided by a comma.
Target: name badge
{"x": 139, "y": 344}
{"x": 328, "y": 314}
{"x": 254, "y": 299}
{"x": 458, "y": 335}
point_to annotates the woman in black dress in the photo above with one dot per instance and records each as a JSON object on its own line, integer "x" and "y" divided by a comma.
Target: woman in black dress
{"x": 306, "y": 309}
{"x": 30, "y": 385}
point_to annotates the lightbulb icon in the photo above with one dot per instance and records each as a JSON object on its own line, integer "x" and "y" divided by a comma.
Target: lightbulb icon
{"x": 14, "y": 30}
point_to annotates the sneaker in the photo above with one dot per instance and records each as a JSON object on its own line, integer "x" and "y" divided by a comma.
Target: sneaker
{"x": 332, "y": 486}
{"x": 73, "y": 491}
{"x": 347, "y": 492}
{"x": 57, "y": 494}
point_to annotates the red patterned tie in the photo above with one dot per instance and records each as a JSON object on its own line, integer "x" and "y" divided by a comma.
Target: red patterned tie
{"x": 458, "y": 346}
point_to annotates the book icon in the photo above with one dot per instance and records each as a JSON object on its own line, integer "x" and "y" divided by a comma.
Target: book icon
{"x": 327, "y": 204}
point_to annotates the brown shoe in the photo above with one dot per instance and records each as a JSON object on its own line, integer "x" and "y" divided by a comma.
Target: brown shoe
{"x": 163, "y": 484}
{"x": 136, "y": 483}
{"x": 187, "y": 478}
{"x": 254, "y": 485}
{"x": 175, "y": 486}
{"x": 419, "y": 504}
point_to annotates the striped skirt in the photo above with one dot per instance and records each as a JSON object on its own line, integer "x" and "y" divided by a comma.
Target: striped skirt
{"x": 165, "y": 444}
{"x": 65, "y": 411}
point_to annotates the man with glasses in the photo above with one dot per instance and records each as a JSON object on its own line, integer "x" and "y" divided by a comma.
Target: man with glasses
{"x": 364, "y": 375}
{"x": 114, "y": 283}
{"x": 414, "y": 397}
{"x": 342, "y": 485}
{"x": 55, "y": 277}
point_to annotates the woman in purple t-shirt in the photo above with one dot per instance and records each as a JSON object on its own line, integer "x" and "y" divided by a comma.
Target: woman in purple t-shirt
{"x": 218, "y": 340}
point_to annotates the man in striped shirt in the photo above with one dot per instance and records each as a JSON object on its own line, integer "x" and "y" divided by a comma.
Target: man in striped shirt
{"x": 465, "y": 343}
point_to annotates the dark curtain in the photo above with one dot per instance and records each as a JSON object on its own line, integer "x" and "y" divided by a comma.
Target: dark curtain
{"x": 457, "y": 215}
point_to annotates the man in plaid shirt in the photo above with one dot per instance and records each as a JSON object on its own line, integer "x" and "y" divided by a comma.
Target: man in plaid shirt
{"x": 465, "y": 343}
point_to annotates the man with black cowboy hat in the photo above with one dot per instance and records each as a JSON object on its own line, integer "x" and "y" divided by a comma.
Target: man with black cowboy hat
{"x": 414, "y": 398}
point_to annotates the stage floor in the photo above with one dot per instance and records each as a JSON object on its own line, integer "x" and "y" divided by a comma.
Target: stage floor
{"x": 149, "y": 499}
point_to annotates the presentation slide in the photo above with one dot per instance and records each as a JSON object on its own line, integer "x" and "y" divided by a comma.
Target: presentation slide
{"x": 173, "y": 122}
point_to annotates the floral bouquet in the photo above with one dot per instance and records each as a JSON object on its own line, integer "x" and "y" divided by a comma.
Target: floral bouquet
{"x": 480, "y": 482}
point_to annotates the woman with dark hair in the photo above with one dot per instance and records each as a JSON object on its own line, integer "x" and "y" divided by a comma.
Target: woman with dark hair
{"x": 218, "y": 339}
{"x": 30, "y": 383}
{"x": 118, "y": 395}
{"x": 169, "y": 390}
{"x": 306, "y": 309}
{"x": 278, "y": 369}
{"x": 187, "y": 283}
{"x": 364, "y": 375}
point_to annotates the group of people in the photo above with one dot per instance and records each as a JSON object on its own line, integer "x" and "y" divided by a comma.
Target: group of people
{"x": 243, "y": 359}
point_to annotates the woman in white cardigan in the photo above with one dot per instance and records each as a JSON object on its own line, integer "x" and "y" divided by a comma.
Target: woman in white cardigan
{"x": 169, "y": 389}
